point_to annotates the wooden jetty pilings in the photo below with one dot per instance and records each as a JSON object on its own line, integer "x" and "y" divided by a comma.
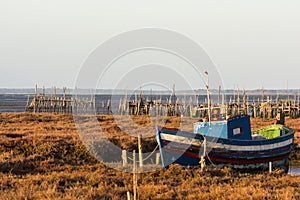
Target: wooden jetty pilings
{"x": 55, "y": 103}
{"x": 170, "y": 106}
{"x": 192, "y": 108}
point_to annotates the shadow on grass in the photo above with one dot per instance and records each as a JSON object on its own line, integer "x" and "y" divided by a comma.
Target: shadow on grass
{"x": 22, "y": 167}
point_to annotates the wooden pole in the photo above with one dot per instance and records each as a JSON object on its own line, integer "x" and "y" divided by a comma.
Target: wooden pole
{"x": 134, "y": 176}
{"x": 65, "y": 93}
{"x": 64, "y": 100}
{"x": 157, "y": 158}
{"x": 254, "y": 110}
{"x": 244, "y": 102}
{"x": 208, "y": 98}
{"x": 120, "y": 111}
{"x": 128, "y": 195}
{"x": 108, "y": 106}
{"x": 202, "y": 160}
{"x": 140, "y": 151}
{"x": 35, "y": 91}
{"x": 124, "y": 158}
{"x": 233, "y": 93}
{"x": 223, "y": 99}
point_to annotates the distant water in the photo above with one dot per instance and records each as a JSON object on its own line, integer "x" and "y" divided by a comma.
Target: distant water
{"x": 17, "y": 102}
{"x": 13, "y": 102}
{"x": 294, "y": 169}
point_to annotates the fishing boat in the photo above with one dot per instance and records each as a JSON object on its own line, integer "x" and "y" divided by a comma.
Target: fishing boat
{"x": 222, "y": 141}
{"x": 229, "y": 142}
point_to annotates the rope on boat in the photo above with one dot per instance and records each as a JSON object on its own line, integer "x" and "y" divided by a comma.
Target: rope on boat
{"x": 205, "y": 153}
{"x": 202, "y": 160}
{"x": 210, "y": 160}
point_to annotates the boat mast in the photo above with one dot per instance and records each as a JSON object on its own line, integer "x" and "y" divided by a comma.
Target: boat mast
{"x": 208, "y": 96}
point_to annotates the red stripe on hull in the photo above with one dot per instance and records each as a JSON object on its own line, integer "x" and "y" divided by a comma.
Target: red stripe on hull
{"x": 170, "y": 129}
{"x": 231, "y": 160}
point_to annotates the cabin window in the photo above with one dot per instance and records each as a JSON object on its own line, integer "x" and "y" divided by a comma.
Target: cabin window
{"x": 237, "y": 131}
{"x": 215, "y": 114}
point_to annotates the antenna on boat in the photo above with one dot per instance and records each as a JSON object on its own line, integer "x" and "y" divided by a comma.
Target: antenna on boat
{"x": 208, "y": 96}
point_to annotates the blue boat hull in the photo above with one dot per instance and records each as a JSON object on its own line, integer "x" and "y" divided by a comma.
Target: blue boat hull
{"x": 186, "y": 148}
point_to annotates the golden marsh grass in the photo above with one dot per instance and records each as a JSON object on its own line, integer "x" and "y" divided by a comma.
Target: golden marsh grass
{"x": 41, "y": 157}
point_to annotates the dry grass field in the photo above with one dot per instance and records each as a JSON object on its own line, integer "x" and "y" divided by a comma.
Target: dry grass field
{"x": 41, "y": 157}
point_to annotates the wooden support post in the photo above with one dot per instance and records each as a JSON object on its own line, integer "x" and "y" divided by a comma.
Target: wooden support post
{"x": 202, "y": 163}
{"x": 233, "y": 93}
{"x": 125, "y": 105}
{"x": 184, "y": 107}
{"x": 202, "y": 160}
{"x": 157, "y": 159}
{"x": 120, "y": 107}
{"x": 134, "y": 171}
{"x": 128, "y": 195}
{"x": 138, "y": 107}
{"x": 177, "y": 107}
{"x": 54, "y": 92}
{"x": 64, "y": 103}
{"x": 270, "y": 167}
{"x": 124, "y": 158}
{"x": 65, "y": 92}
{"x": 140, "y": 151}
{"x": 223, "y": 99}
{"x": 191, "y": 108}
{"x": 108, "y": 106}
{"x": 150, "y": 110}
{"x": 254, "y": 110}
{"x": 35, "y": 91}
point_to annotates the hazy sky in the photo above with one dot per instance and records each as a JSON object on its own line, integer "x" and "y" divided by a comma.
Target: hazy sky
{"x": 253, "y": 43}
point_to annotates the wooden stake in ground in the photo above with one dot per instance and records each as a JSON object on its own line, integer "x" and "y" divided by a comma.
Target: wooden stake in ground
{"x": 134, "y": 176}
{"x": 124, "y": 158}
{"x": 140, "y": 151}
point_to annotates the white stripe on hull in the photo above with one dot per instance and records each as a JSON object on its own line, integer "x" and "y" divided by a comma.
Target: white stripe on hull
{"x": 180, "y": 139}
{"x": 192, "y": 141}
{"x": 258, "y": 147}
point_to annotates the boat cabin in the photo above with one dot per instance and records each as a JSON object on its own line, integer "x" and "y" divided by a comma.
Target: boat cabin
{"x": 237, "y": 127}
